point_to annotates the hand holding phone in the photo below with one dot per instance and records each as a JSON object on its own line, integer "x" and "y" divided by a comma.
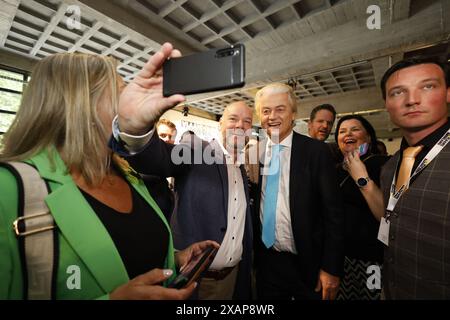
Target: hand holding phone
{"x": 194, "y": 269}
{"x": 139, "y": 107}
{"x": 211, "y": 70}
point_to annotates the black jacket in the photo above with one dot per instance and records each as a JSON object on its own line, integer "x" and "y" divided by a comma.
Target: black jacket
{"x": 316, "y": 210}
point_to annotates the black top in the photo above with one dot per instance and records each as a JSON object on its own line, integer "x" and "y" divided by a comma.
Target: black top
{"x": 361, "y": 227}
{"x": 335, "y": 152}
{"x": 141, "y": 238}
{"x": 428, "y": 143}
{"x": 161, "y": 193}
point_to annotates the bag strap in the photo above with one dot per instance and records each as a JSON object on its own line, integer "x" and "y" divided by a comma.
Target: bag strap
{"x": 34, "y": 228}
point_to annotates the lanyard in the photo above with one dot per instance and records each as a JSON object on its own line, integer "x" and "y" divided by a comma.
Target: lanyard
{"x": 395, "y": 195}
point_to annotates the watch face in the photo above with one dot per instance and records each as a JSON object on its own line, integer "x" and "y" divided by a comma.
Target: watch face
{"x": 362, "y": 182}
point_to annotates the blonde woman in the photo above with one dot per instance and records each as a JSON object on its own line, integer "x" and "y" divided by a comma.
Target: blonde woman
{"x": 107, "y": 224}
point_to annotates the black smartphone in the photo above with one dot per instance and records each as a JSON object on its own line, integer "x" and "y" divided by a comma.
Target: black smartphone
{"x": 215, "y": 69}
{"x": 194, "y": 269}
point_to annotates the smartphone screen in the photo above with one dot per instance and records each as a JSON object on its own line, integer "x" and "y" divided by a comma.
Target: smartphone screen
{"x": 363, "y": 149}
{"x": 215, "y": 69}
{"x": 194, "y": 269}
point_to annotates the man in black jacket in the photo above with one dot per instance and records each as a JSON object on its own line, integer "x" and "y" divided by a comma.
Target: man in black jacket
{"x": 212, "y": 188}
{"x": 298, "y": 218}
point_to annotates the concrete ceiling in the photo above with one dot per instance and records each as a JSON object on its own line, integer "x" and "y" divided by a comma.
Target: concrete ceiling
{"x": 321, "y": 47}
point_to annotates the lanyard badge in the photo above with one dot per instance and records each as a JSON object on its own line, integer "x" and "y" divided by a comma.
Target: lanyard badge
{"x": 394, "y": 196}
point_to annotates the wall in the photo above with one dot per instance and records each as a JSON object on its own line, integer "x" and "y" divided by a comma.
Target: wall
{"x": 204, "y": 128}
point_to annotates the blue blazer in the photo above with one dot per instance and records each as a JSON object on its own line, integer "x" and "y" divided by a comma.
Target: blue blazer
{"x": 202, "y": 198}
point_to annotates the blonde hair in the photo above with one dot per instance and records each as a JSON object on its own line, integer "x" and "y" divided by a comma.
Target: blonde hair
{"x": 166, "y": 122}
{"x": 275, "y": 88}
{"x": 60, "y": 111}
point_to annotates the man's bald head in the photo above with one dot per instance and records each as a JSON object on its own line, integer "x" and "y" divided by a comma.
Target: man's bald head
{"x": 236, "y": 120}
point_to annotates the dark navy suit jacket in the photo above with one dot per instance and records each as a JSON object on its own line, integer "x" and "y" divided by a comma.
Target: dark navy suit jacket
{"x": 202, "y": 198}
{"x": 316, "y": 210}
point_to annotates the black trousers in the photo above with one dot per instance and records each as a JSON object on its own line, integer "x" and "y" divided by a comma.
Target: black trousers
{"x": 278, "y": 277}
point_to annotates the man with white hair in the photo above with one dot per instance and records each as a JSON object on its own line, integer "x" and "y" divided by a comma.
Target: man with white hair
{"x": 298, "y": 218}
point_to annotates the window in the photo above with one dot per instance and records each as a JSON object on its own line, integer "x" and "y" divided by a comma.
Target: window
{"x": 11, "y": 87}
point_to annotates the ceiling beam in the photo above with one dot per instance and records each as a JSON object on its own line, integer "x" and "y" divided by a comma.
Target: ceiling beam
{"x": 7, "y": 14}
{"x": 196, "y": 112}
{"x": 211, "y": 14}
{"x": 14, "y": 60}
{"x": 336, "y": 82}
{"x": 224, "y": 10}
{"x": 135, "y": 57}
{"x": 116, "y": 45}
{"x": 170, "y": 7}
{"x": 145, "y": 25}
{"x": 88, "y": 34}
{"x": 348, "y": 43}
{"x": 190, "y": 13}
{"x": 276, "y": 6}
{"x": 380, "y": 65}
{"x": 49, "y": 28}
{"x": 356, "y": 80}
{"x": 299, "y": 84}
{"x": 296, "y": 13}
{"x": 252, "y": 3}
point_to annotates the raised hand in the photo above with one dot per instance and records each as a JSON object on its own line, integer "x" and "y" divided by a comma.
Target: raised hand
{"x": 141, "y": 103}
{"x": 371, "y": 192}
{"x": 355, "y": 167}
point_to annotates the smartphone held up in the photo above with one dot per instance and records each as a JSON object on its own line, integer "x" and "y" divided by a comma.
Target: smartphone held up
{"x": 215, "y": 69}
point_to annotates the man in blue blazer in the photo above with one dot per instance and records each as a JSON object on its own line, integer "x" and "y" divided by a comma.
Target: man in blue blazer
{"x": 213, "y": 199}
{"x": 212, "y": 202}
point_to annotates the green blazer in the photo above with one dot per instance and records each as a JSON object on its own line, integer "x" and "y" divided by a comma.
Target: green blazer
{"x": 83, "y": 240}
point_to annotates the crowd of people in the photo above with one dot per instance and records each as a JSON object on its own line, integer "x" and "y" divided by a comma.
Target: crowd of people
{"x": 306, "y": 221}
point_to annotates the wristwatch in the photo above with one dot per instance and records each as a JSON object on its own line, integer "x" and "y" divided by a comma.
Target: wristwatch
{"x": 362, "y": 182}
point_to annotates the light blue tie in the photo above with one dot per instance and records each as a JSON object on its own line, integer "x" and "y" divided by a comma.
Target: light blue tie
{"x": 270, "y": 198}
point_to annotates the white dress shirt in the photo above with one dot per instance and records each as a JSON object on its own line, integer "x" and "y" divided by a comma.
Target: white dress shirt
{"x": 230, "y": 251}
{"x": 284, "y": 237}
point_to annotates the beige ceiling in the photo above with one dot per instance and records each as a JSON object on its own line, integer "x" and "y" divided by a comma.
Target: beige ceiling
{"x": 321, "y": 47}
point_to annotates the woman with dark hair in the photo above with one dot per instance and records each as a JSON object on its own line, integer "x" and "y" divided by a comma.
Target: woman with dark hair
{"x": 357, "y": 142}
